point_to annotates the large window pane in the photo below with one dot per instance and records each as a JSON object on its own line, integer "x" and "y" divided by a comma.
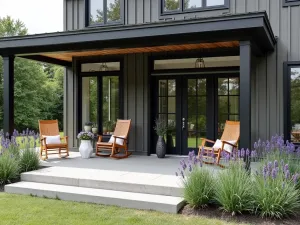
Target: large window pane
{"x": 96, "y": 11}
{"x": 191, "y": 4}
{"x": 104, "y": 12}
{"x": 171, "y": 5}
{"x": 110, "y": 105}
{"x": 215, "y": 2}
{"x": 113, "y": 10}
{"x": 295, "y": 104}
{"x": 89, "y": 100}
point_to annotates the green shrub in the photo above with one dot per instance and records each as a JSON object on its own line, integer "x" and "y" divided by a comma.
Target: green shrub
{"x": 29, "y": 160}
{"x": 199, "y": 187}
{"x": 9, "y": 168}
{"x": 234, "y": 189}
{"x": 274, "y": 192}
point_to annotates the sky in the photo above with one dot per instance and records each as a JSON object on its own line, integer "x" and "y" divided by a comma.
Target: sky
{"x": 39, "y": 16}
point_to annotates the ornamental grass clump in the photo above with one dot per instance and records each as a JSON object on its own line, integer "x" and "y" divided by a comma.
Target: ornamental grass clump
{"x": 29, "y": 160}
{"x": 9, "y": 168}
{"x": 198, "y": 182}
{"x": 274, "y": 191}
{"x": 233, "y": 189}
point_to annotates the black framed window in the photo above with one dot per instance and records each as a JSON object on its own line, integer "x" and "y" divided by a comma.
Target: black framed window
{"x": 182, "y": 6}
{"x": 104, "y": 12}
{"x": 286, "y": 3}
{"x": 228, "y": 101}
{"x": 292, "y": 101}
{"x": 100, "y": 99}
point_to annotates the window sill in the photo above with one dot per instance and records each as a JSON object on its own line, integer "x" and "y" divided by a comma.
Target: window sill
{"x": 105, "y": 25}
{"x": 287, "y": 3}
{"x": 213, "y": 8}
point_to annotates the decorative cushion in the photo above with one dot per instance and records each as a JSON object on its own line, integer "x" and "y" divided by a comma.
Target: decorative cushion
{"x": 52, "y": 139}
{"x": 228, "y": 148}
{"x": 119, "y": 141}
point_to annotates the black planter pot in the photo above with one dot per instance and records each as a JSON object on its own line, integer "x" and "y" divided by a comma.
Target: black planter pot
{"x": 161, "y": 147}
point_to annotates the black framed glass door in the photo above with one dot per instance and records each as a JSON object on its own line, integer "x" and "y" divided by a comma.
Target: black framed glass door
{"x": 198, "y": 106}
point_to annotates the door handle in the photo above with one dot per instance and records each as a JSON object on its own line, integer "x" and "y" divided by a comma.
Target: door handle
{"x": 183, "y": 123}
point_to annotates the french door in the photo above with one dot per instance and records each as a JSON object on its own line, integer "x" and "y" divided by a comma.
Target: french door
{"x": 194, "y": 107}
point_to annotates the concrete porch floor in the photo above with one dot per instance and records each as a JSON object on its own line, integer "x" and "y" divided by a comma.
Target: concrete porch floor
{"x": 134, "y": 163}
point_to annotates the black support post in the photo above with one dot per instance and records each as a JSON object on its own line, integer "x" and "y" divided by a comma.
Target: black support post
{"x": 8, "y": 94}
{"x": 245, "y": 94}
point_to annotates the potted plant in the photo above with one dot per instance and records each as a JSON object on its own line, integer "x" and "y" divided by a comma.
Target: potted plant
{"x": 170, "y": 132}
{"x": 88, "y": 126}
{"x": 95, "y": 128}
{"x": 109, "y": 125}
{"x": 161, "y": 130}
{"x": 85, "y": 148}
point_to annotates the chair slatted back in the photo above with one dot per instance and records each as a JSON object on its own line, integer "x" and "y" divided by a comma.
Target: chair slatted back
{"x": 122, "y": 128}
{"x": 48, "y": 127}
{"x": 231, "y": 131}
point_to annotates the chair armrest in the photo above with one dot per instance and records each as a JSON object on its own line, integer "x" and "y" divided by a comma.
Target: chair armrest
{"x": 100, "y": 138}
{"x": 119, "y": 137}
{"x": 225, "y": 142}
{"x": 207, "y": 140}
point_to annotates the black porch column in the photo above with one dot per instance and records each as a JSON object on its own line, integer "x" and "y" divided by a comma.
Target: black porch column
{"x": 8, "y": 94}
{"x": 245, "y": 94}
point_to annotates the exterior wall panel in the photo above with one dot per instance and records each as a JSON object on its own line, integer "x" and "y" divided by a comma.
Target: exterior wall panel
{"x": 267, "y": 100}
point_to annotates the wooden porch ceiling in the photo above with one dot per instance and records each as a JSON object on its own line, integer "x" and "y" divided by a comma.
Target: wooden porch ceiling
{"x": 67, "y": 56}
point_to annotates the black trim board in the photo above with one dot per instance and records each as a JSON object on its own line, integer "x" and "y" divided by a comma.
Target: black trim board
{"x": 249, "y": 26}
{"x": 287, "y": 97}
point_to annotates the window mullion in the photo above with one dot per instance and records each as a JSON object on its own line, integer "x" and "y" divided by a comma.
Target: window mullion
{"x": 204, "y": 3}
{"x": 181, "y": 5}
{"x": 104, "y": 11}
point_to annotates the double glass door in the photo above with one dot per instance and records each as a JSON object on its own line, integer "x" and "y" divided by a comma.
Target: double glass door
{"x": 195, "y": 107}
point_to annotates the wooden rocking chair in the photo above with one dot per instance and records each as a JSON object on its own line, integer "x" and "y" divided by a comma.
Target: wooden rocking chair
{"x": 116, "y": 143}
{"x": 49, "y": 129}
{"x": 229, "y": 140}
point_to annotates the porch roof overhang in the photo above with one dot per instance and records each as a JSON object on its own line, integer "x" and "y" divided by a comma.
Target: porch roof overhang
{"x": 254, "y": 27}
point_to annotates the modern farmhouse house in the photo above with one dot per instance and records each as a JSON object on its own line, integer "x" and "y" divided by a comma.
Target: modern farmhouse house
{"x": 193, "y": 63}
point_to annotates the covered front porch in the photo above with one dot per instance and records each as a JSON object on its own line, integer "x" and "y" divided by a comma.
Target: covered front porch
{"x": 136, "y": 47}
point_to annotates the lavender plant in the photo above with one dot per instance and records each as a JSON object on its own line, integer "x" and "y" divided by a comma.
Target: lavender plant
{"x": 11, "y": 153}
{"x": 278, "y": 149}
{"x": 198, "y": 182}
{"x": 274, "y": 191}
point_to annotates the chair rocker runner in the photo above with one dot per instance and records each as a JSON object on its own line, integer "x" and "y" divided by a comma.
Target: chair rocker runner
{"x": 117, "y": 142}
{"x": 51, "y": 142}
{"x": 228, "y": 143}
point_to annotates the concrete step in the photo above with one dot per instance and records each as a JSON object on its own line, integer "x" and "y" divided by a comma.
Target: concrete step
{"x": 161, "y": 203}
{"x": 156, "y": 184}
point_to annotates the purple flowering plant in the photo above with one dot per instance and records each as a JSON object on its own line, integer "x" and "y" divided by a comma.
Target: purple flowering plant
{"x": 83, "y": 135}
{"x": 280, "y": 150}
{"x": 275, "y": 190}
{"x": 18, "y": 140}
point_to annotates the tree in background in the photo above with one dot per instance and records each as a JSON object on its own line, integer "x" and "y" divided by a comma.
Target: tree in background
{"x": 38, "y": 87}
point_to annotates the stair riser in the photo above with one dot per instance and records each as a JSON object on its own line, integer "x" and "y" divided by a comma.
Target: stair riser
{"x": 96, "y": 199}
{"x": 100, "y": 184}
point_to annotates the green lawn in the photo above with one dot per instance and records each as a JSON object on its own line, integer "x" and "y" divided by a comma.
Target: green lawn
{"x": 17, "y": 209}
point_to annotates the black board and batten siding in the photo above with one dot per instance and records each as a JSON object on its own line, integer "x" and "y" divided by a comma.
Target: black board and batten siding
{"x": 267, "y": 79}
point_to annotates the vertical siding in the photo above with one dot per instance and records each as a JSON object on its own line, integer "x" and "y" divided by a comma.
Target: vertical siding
{"x": 136, "y": 100}
{"x": 267, "y": 84}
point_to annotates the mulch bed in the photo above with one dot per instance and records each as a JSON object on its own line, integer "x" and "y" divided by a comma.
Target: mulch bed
{"x": 215, "y": 213}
